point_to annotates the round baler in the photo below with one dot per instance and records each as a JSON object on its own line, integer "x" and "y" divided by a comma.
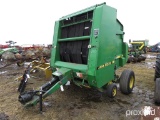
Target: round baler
{"x": 87, "y": 50}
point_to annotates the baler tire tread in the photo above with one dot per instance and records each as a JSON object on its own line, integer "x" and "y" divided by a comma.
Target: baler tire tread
{"x": 157, "y": 91}
{"x": 157, "y": 69}
{"x": 125, "y": 79}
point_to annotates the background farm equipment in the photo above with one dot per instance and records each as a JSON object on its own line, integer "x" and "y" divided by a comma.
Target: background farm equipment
{"x": 3, "y": 46}
{"x": 16, "y": 54}
{"x": 81, "y": 53}
{"x": 136, "y": 51}
{"x": 12, "y": 50}
{"x": 10, "y": 57}
{"x": 155, "y": 48}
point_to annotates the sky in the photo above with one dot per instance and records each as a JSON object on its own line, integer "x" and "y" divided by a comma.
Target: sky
{"x": 32, "y": 21}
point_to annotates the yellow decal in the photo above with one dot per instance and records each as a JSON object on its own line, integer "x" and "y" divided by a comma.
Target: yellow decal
{"x": 105, "y": 65}
{"x": 119, "y": 56}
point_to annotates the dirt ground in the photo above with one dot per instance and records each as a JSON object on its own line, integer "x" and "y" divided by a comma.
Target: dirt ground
{"x": 77, "y": 103}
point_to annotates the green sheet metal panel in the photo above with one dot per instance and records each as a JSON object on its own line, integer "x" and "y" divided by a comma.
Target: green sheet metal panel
{"x": 55, "y": 45}
{"x": 108, "y": 46}
{"x": 82, "y": 11}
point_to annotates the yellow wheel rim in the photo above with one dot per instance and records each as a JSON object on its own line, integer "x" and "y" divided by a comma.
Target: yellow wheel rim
{"x": 114, "y": 92}
{"x": 131, "y": 82}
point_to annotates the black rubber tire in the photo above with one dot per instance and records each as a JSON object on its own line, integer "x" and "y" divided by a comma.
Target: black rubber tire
{"x": 145, "y": 50}
{"x": 139, "y": 59}
{"x": 134, "y": 59}
{"x": 110, "y": 89}
{"x": 125, "y": 79}
{"x": 129, "y": 59}
{"x": 157, "y": 91}
{"x": 157, "y": 69}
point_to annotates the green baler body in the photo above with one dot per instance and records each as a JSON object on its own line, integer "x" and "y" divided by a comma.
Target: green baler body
{"x": 90, "y": 42}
